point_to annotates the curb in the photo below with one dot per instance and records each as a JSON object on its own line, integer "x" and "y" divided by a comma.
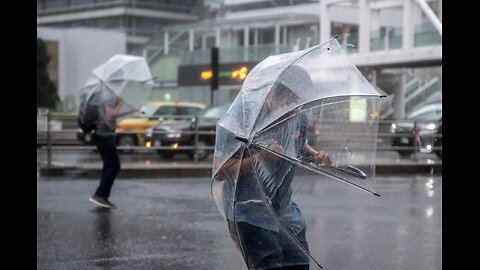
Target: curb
{"x": 205, "y": 170}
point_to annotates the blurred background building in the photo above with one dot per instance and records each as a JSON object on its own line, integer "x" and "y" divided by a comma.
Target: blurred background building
{"x": 139, "y": 20}
{"x": 74, "y": 52}
{"x": 397, "y": 44}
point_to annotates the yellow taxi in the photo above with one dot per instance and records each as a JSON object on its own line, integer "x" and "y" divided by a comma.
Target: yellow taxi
{"x": 131, "y": 131}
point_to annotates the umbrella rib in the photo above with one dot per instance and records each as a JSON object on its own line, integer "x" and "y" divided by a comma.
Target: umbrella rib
{"x": 316, "y": 169}
{"x": 233, "y": 153}
{"x": 303, "y": 110}
{"x": 234, "y": 208}
{"x": 278, "y": 218}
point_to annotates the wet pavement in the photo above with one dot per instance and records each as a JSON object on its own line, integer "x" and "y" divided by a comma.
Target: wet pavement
{"x": 150, "y": 158}
{"x": 148, "y": 164}
{"x": 173, "y": 223}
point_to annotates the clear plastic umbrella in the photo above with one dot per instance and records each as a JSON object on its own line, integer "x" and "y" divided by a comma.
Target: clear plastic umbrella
{"x": 289, "y": 104}
{"x": 122, "y": 76}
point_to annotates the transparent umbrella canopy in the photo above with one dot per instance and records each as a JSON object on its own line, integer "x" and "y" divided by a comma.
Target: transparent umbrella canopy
{"x": 289, "y": 103}
{"x": 122, "y": 76}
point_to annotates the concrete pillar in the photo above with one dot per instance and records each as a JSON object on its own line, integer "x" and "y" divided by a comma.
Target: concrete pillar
{"x": 325, "y": 29}
{"x": 166, "y": 42}
{"x": 399, "y": 101}
{"x": 375, "y": 20}
{"x": 364, "y": 29}
{"x": 217, "y": 37}
{"x": 190, "y": 40}
{"x": 246, "y": 36}
{"x": 246, "y": 41}
{"x": 408, "y": 24}
{"x": 277, "y": 38}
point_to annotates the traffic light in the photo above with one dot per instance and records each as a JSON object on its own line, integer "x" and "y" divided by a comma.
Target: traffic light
{"x": 214, "y": 68}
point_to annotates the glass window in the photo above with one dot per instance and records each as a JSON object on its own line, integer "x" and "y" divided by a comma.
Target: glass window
{"x": 166, "y": 110}
{"x": 148, "y": 109}
{"x": 216, "y": 112}
{"x": 188, "y": 111}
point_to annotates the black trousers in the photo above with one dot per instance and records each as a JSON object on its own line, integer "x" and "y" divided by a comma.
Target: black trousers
{"x": 111, "y": 164}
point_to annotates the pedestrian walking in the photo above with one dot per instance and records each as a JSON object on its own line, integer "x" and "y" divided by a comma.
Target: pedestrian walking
{"x": 104, "y": 138}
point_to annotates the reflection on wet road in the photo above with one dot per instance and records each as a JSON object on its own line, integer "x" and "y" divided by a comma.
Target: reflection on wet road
{"x": 174, "y": 224}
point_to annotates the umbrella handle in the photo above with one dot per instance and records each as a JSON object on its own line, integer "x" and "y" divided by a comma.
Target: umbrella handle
{"x": 354, "y": 171}
{"x": 349, "y": 169}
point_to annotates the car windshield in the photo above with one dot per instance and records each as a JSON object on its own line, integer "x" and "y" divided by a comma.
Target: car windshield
{"x": 215, "y": 112}
{"x": 148, "y": 109}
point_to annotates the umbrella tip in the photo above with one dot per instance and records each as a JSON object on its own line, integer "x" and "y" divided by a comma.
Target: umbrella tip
{"x": 376, "y": 194}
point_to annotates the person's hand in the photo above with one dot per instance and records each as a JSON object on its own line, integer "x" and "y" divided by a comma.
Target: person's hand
{"x": 322, "y": 157}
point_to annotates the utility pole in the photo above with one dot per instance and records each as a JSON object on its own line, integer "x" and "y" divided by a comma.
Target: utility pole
{"x": 214, "y": 83}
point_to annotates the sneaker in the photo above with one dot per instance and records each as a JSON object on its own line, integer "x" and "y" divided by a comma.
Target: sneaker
{"x": 105, "y": 203}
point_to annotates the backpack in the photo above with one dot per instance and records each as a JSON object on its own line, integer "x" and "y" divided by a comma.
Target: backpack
{"x": 87, "y": 118}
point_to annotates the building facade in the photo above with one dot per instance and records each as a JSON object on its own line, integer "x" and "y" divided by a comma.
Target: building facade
{"x": 138, "y": 19}
{"x": 72, "y": 58}
{"x": 396, "y": 44}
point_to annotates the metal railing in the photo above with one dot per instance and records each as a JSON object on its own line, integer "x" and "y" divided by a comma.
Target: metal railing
{"x": 64, "y": 139}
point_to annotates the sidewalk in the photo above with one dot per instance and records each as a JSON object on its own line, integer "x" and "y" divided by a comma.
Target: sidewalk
{"x": 388, "y": 163}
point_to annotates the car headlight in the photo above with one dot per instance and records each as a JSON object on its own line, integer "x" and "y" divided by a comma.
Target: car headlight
{"x": 174, "y": 134}
{"x": 393, "y": 126}
{"x": 431, "y": 126}
{"x": 149, "y": 132}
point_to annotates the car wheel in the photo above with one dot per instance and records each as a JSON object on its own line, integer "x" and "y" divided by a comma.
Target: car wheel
{"x": 126, "y": 141}
{"x": 202, "y": 154}
{"x": 403, "y": 141}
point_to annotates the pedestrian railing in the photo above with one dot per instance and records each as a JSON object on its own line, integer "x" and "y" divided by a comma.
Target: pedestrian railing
{"x": 408, "y": 138}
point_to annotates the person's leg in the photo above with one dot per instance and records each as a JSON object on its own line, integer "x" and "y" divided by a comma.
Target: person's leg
{"x": 259, "y": 247}
{"x": 297, "y": 267}
{"x": 111, "y": 166}
{"x": 295, "y": 257}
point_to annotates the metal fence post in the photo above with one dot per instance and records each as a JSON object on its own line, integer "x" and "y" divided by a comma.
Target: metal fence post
{"x": 49, "y": 141}
{"x": 415, "y": 142}
{"x": 195, "y": 156}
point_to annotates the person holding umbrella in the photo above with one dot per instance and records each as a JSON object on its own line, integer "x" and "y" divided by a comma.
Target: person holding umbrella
{"x": 262, "y": 140}
{"x": 104, "y": 138}
{"x": 116, "y": 89}
{"x": 256, "y": 231}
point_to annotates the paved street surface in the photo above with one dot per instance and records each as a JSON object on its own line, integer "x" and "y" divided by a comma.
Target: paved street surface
{"x": 86, "y": 156}
{"x": 173, "y": 223}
